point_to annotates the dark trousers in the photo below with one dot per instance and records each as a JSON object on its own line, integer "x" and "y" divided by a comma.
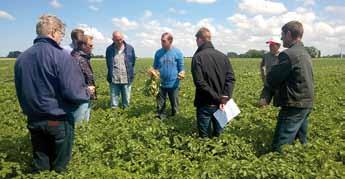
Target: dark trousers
{"x": 207, "y": 124}
{"x": 172, "y": 93}
{"x": 292, "y": 124}
{"x": 52, "y": 144}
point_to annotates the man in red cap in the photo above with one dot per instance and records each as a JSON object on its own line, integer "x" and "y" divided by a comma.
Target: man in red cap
{"x": 268, "y": 60}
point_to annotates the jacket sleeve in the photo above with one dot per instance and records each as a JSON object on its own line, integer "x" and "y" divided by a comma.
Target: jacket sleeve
{"x": 155, "y": 61}
{"x": 87, "y": 71}
{"x": 71, "y": 81}
{"x": 280, "y": 72}
{"x": 229, "y": 79}
{"x": 180, "y": 62}
{"x": 199, "y": 80}
{"x": 262, "y": 69}
{"x": 134, "y": 57}
{"x": 108, "y": 61}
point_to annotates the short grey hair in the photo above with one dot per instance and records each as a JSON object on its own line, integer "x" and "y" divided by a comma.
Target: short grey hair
{"x": 48, "y": 24}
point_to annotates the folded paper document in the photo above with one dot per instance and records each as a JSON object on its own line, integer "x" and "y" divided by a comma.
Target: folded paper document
{"x": 231, "y": 110}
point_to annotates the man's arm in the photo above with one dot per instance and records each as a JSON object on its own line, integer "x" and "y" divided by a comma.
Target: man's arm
{"x": 279, "y": 73}
{"x": 262, "y": 69}
{"x": 134, "y": 57}
{"x": 199, "y": 80}
{"x": 71, "y": 81}
{"x": 180, "y": 66}
{"x": 229, "y": 79}
{"x": 180, "y": 62}
{"x": 107, "y": 57}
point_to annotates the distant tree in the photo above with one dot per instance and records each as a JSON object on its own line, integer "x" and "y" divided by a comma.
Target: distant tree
{"x": 13, "y": 54}
{"x": 252, "y": 53}
{"x": 232, "y": 55}
{"x": 313, "y": 52}
{"x": 97, "y": 56}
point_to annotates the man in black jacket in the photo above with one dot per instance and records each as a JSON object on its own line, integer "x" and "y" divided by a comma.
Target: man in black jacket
{"x": 49, "y": 86}
{"x": 292, "y": 77}
{"x": 214, "y": 81}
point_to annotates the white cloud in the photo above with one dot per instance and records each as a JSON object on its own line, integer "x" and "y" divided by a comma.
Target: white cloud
{"x": 55, "y": 4}
{"x": 97, "y": 35}
{"x": 337, "y": 10}
{"x": 201, "y": 1}
{"x": 6, "y": 15}
{"x": 175, "y": 11}
{"x": 324, "y": 29}
{"x": 207, "y": 22}
{"x": 240, "y": 20}
{"x": 93, "y": 8}
{"x": 147, "y": 14}
{"x": 124, "y": 24}
{"x": 309, "y": 2}
{"x": 262, "y": 7}
{"x": 245, "y": 31}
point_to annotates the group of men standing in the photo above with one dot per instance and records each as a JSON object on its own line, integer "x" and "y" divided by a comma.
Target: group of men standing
{"x": 54, "y": 88}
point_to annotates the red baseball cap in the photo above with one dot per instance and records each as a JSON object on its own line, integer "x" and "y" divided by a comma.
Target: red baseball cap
{"x": 273, "y": 41}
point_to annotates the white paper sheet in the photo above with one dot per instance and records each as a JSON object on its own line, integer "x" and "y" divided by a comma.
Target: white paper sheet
{"x": 231, "y": 110}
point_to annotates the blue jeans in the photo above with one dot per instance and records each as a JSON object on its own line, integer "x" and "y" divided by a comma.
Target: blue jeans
{"x": 207, "y": 123}
{"x": 292, "y": 124}
{"x": 82, "y": 112}
{"x": 119, "y": 89}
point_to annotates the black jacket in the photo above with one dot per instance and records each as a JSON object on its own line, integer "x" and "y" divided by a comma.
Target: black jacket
{"x": 293, "y": 78}
{"x": 212, "y": 75}
{"x": 49, "y": 83}
{"x": 83, "y": 61}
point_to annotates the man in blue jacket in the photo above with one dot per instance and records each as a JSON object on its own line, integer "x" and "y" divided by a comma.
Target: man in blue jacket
{"x": 49, "y": 86}
{"x": 170, "y": 64}
{"x": 120, "y": 58}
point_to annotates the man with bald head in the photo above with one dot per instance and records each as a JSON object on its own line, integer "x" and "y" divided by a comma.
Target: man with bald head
{"x": 120, "y": 58}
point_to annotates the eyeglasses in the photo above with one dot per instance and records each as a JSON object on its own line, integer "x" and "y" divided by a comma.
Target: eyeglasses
{"x": 61, "y": 33}
{"x": 89, "y": 45}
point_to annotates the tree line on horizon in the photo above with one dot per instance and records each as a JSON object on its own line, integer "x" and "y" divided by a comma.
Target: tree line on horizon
{"x": 251, "y": 53}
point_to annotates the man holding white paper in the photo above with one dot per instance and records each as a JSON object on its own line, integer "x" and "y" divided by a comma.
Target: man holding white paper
{"x": 214, "y": 81}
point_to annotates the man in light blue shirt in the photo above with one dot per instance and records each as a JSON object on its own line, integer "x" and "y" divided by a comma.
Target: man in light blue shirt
{"x": 170, "y": 63}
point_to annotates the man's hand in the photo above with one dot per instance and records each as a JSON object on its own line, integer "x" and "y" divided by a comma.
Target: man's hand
{"x": 181, "y": 75}
{"x": 154, "y": 73}
{"x": 262, "y": 103}
{"x": 91, "y": 89}
{"x": 223, "y": 101}
{"x": 221, "y": 107}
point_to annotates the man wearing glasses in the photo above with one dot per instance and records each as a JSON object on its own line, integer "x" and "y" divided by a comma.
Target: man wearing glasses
{"x": 49, "y": 86}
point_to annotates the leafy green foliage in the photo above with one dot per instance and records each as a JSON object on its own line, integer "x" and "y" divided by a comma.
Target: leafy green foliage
{"x": 131, "y": 143}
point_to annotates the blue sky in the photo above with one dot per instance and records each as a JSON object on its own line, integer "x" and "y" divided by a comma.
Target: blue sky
{"x": 236, "y": 25}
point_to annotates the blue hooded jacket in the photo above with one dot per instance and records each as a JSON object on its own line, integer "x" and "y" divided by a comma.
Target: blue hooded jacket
{"x": 129, "y": 61}
{"x": 49, "y": 83}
